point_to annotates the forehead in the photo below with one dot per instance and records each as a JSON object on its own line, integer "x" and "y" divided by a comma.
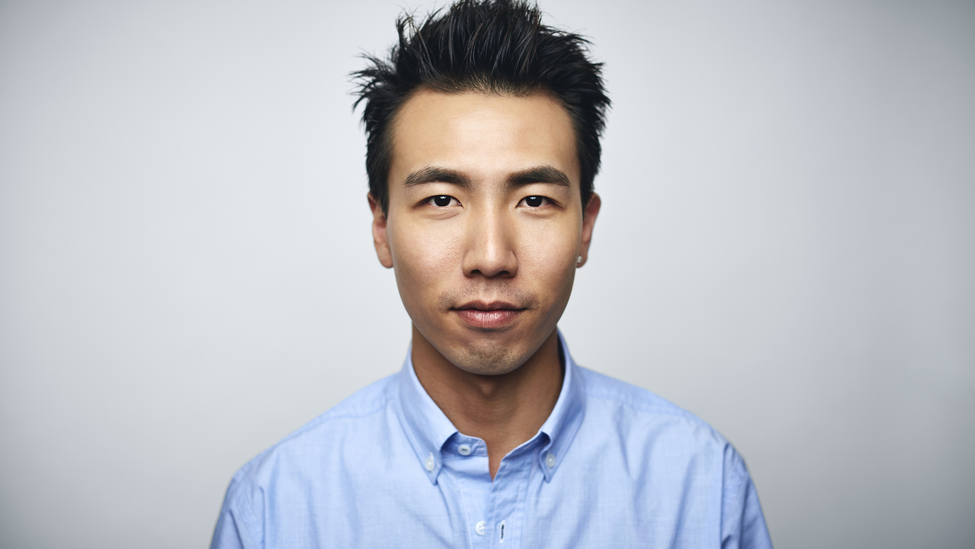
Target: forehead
{"x": 485, "y": 135}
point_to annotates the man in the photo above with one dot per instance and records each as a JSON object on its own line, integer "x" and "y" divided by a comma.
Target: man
{"x": 483, "y": 142}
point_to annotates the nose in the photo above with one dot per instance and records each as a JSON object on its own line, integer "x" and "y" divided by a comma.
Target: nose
{"x": 490, "y": 246}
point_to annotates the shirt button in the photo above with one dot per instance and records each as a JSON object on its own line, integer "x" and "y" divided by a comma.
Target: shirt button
{"x": 480, "y": 528}
{"x": 430, "y": 463}
{"x": 550, "y": 460}
{"x": 464, "y": 450}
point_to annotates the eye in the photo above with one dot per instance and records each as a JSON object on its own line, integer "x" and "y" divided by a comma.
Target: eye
{"x": 535, "y": 201}
{"x": 441, "y": 201}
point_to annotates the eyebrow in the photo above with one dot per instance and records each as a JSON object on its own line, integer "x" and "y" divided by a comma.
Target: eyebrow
{"x": 538, "y": 174}
{"x": 433, "y": 174}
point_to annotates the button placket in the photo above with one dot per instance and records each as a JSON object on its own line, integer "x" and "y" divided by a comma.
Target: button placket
{"x": 509, "y": 491}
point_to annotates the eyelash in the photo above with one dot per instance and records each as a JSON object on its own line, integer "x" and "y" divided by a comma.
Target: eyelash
{"x": 432, "y": 201}
{"x": 545, "y": 201}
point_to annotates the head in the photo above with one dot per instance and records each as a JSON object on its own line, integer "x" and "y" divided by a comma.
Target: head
{"x": 483, "y": 140}
{"x": 492, "y": 46}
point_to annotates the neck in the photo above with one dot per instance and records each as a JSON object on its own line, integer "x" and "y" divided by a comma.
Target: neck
{"x": 503, "y": 410}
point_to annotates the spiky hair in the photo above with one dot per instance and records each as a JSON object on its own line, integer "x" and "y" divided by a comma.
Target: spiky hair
{"x": 490, "y": 46}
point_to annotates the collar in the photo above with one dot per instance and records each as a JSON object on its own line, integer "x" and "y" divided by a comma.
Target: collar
{"x": 563, "y": 423}
{"x": 428, "y": 429}
{"x": 426, "y": 426}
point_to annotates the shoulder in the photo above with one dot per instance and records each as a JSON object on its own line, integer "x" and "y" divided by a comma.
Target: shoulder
{"x": 304, "y": 466}
{"x": 323, "y": 439}
{"x": 690, "y": 461}
{"x": 640, "y": 411}
{"x": 664, "y": 437}
{"x": 635, "y": 400}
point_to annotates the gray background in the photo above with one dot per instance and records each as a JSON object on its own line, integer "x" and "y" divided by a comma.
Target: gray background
{"x": 786, "y": 248}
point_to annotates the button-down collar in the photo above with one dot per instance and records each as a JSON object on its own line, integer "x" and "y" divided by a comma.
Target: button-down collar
{"x": 426, "y": 426}
{"x": 564, "y": 421}
{"x": 428, "y": 429}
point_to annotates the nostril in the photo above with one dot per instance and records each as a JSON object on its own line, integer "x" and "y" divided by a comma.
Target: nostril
{"x": 490, "y": 274}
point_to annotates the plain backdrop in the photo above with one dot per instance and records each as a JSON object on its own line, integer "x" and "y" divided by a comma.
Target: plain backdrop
{"x": 786, "y": 248}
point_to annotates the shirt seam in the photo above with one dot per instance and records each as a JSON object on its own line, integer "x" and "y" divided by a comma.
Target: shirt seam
{"x": 250, "y": 519}
{"x": 243, "y": 472}
{"x": 630, "y": 397}
{"x": 739, "y": 503}
{"x": 671, "y": 410}
{"x": 327, "y": 417}
{"x": 314, "y": 423}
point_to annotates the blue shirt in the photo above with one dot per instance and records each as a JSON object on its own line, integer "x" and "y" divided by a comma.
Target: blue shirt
{"x": 613, "y": 466}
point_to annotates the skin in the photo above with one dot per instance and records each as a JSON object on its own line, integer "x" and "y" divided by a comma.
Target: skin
{"x": 484, "y": 228}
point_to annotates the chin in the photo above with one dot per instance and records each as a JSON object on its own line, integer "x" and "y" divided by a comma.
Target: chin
{"x": 488, "y": 361}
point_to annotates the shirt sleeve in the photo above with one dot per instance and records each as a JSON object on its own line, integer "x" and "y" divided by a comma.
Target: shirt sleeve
{"x": 742, "y": 522}
{"x": 236, "y": 525}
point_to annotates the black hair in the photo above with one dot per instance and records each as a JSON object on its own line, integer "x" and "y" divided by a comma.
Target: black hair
{"x": 491, "y": 46}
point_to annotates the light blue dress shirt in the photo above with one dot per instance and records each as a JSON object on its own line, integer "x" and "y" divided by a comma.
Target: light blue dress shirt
{"x": 613, "y": 466}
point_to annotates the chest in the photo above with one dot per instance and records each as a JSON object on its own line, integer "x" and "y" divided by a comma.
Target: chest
{"x": 599, "y": 497}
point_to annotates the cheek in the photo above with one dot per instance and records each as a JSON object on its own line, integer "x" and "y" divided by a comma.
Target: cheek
{"x": 551, "y": 253}
{"x": 422, "y": 259}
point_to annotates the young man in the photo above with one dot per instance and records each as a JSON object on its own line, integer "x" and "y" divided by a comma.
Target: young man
{"x": 483, "y": 141}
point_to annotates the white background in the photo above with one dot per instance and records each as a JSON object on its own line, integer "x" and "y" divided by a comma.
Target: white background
{"x": 786, "y": 248}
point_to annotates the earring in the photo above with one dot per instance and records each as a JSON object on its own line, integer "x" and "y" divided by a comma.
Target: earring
{"x": 579, "y": 260}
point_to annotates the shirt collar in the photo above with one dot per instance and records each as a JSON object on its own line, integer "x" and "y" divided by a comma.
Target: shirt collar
{"x": 428, "y": 429}
{"x": 425, "y": 424}
{"x": 566, "y": 418}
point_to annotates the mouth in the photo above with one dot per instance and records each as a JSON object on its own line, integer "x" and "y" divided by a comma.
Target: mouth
{"x": 488, "y": 315}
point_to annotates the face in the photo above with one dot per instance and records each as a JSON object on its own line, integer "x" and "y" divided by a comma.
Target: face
{"x": 485, "y": 223}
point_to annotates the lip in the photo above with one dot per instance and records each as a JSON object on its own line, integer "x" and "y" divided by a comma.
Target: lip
{"x": 488, "y": 315}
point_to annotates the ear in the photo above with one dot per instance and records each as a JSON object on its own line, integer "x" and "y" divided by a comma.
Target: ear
{"x": 379, "y": 237}
{"x": 588, "y": 222}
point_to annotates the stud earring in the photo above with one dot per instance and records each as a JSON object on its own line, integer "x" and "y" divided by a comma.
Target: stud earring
{"x": 579, "y": 260}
